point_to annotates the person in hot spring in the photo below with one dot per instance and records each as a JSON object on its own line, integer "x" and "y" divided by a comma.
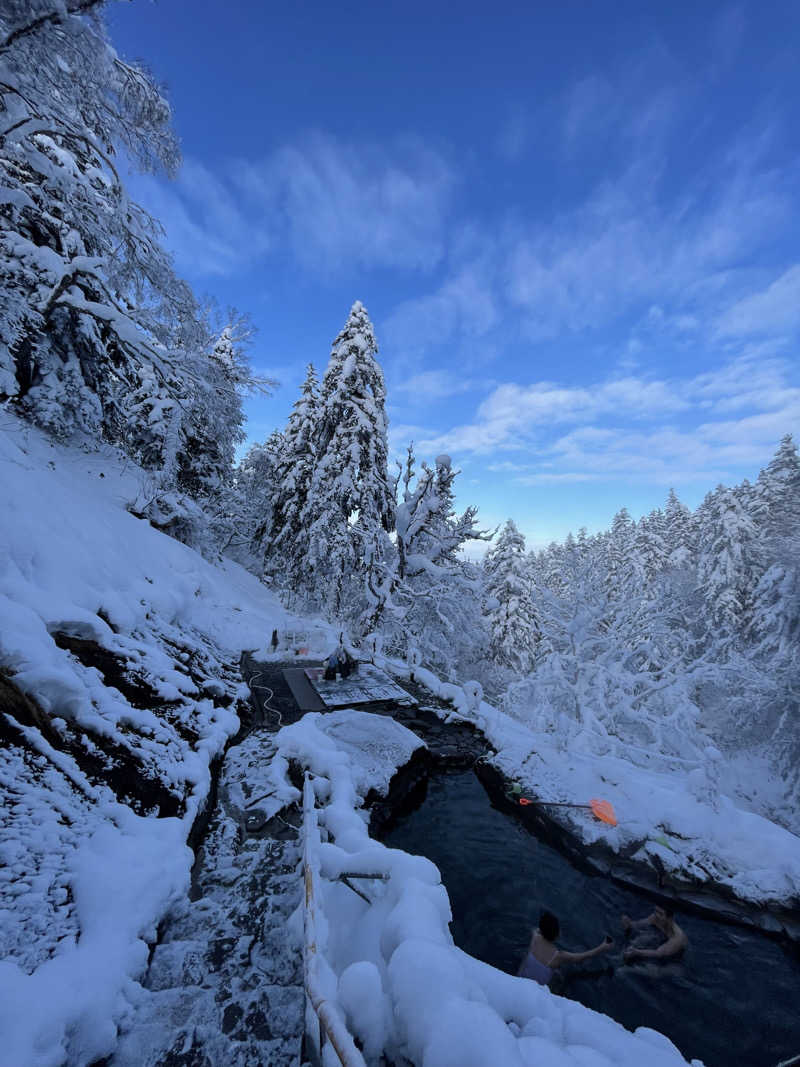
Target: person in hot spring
{"x": 544, "y": 957}
{"x": 663, "y": 920}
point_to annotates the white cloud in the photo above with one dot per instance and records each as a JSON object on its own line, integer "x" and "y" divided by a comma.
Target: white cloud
{"x": 592, "y": 105}
{"x": 514, "y": 136}
{"x": 464, "y": 305}
{"x": 708, "y": 452}
{"x": 635, "y": 239}
{"x": 774, "y": 310}
{"x": 432, "y": 385}
{"x": 564, "y": 478}
{"x": 355, "y": 204}
{"x": 661, "y": 431}
{"x": 620, "y": 250}
{"x": 727, "y": 36}
{"x": 330, "y": 204}
{"x": 206, "y": 228}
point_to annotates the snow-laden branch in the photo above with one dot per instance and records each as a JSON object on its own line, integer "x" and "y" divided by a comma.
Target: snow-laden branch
{"x": 56, "y": 15}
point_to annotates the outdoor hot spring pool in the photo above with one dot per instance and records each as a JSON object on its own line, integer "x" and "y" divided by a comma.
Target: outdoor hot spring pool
{"x": 733, "y": 998}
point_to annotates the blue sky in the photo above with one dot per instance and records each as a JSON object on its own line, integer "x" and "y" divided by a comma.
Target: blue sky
{"x": 575, "y": 227}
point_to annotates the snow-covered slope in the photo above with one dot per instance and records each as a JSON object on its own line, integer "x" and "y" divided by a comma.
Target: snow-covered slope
{"x": 128, "y": 643}
{"x": 672, "y": 820}
{"x": 118, "y": 687}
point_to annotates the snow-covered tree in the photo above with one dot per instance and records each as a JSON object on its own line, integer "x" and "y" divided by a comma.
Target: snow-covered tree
{"x": 776, "y": 503}
{"x": 511, "y": 613}
{"x": 188, "y": 440}
{"x": 97, "y": 334}
{"x": 729, "y": 563}
{"x": 677, "y": 531}
{"x": 293, "y": 476}
{"x": 428, "y": 595}
{"x": 624, "y": 567}
{"x": 350, "y": 506}
{"x": 257, "y": 484}
{"x": 649, "y": 546}
{"x": 87, "y": 291}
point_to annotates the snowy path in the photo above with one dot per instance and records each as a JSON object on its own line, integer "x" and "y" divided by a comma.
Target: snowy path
{"x": 225, "y": 983}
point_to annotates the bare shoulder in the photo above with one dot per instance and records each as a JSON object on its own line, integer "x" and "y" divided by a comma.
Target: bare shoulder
{"x": 676, "y": 942}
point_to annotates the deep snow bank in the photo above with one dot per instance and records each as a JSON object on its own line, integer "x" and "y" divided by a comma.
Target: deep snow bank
{"x": 128, "y": 642}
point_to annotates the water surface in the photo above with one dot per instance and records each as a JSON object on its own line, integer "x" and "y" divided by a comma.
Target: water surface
{"x": 733, "y": 998}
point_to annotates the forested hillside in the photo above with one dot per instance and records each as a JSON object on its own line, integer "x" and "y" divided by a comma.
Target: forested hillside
{"x": 673, "y": 635}
{"x": 157, "y": 563}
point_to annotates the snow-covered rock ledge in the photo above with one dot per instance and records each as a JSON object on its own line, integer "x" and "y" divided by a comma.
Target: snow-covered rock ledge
{"x": 672, "y": 838}
{"x": 389, "y": 965}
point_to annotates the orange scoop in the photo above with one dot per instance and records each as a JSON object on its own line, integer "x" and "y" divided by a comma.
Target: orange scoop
{"x": 601, "y": 809}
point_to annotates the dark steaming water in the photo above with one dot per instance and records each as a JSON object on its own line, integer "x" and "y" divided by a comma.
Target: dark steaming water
{"x": 733, "y": 998}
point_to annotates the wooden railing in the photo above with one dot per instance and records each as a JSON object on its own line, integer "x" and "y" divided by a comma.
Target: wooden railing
{"x": 323, "y": 1020}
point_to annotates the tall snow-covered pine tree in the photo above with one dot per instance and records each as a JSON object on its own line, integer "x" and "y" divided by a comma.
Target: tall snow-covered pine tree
{"x": 350, "y": 506}
{"x": 293, "y": 476}
{"x": 512, "y": 617}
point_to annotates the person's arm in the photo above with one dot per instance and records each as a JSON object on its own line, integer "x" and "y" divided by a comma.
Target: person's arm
{"x": 578, "y": 957}
{"x": 671, "y": 947}
{"x": 635, "y": 924}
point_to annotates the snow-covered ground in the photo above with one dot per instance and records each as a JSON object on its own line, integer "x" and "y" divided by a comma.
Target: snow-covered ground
{"x": 225, "y": 983}
{"x": 88, "y": 869}
{"x": 84, "y": 876}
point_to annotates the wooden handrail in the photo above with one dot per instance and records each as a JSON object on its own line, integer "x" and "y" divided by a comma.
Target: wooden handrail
{"x": 328, "y": 1015}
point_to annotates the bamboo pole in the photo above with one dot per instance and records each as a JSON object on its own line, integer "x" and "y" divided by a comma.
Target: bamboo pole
{"x": 330, "y": 1020}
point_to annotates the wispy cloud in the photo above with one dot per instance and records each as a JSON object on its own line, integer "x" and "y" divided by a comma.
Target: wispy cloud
{"x": 727, "y": 36}
{"x": 345, "y": 203}
{"x": 773, "y": 310}
{"x": 464, "y": 305}
{"x": 432, "y": 385}
{"x": 206, "y": 227}
{"x": 324, "y": 202}
{"x": 658, "y": 430}
{"x": 635, "y": 234}
{"x": 622, "y": 249}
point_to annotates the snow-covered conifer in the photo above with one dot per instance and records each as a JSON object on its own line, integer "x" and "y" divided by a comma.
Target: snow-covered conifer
{"x": 777, "y": 493}
{"x": 510, "y": 609}
{"x": 350, "y": 506}
{"x": 728, "y": 568}
{"x": 620, "y": 555}
{"x": 649, "y": 545}
{"x": 293, "y": 476}
{"x": 677, "y": 531}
